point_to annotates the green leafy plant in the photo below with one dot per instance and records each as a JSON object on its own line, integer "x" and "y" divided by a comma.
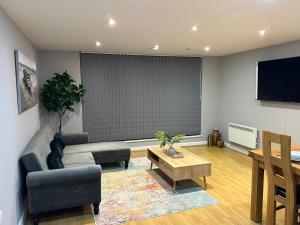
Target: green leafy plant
{"x": 167, "y": 139}
{"x": 60, "y": 94}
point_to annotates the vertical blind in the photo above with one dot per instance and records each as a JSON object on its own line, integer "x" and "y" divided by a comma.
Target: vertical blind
{"x": 131, "y": 97}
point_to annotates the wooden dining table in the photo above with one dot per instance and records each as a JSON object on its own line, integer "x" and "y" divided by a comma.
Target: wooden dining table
{"x": 257, "y": 186}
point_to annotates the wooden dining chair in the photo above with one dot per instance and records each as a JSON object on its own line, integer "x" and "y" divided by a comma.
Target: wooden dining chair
{"x": 281, "y": 181}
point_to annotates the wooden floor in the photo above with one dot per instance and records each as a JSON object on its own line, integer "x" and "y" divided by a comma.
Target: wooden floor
{"x": 230, "y": 183}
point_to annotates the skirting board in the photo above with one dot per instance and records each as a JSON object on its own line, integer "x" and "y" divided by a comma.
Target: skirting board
{"x": 179, "y": 144}
{"x": 235, "y": 148}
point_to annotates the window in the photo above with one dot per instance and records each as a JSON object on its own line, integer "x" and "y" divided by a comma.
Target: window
{"x": 131, "y": 97}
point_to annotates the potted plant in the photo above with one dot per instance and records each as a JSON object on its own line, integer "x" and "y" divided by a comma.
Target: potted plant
{"x": 60, "y": 94}
{"x": 169, "y": 140}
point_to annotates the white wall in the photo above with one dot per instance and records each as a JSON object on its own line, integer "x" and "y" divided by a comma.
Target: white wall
{"x": 16, "y": 130}
{"x": 210, "y": 95}
{"x": 51, "y": 62}
{"x": 237, "y": 94}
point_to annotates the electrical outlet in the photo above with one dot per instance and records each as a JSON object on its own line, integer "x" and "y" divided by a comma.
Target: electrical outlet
{"x": 1, "y": 217}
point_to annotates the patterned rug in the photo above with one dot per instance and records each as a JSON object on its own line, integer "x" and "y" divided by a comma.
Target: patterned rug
{"x": 138, "y": 193}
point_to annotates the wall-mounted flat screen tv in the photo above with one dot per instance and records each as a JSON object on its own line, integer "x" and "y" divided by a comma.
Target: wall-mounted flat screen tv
{"x": 279, "y": 80}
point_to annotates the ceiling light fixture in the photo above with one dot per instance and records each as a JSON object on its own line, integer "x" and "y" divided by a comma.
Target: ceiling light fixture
{"x": 194, "y": 28}
{"x": 262, "y": 32}
{"x": 98, "y": 43}
{"x": 111, "y": 22}
{"x": 207, "y": 48}
{"x": 155, "y": 47}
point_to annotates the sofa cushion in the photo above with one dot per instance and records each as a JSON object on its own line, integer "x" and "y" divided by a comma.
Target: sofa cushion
{"x": 36, "y": 152}
{"x": 76, "y": 165}
{"x": 76, "y": 138}
{"x": 104, "y": 152}
{"x": 59, "y": 138}
{"x": 106, "y": 149}
{"x": 54, "y": 161}
{"x": 57, "y": 147}
{"x": 78, "y": 158}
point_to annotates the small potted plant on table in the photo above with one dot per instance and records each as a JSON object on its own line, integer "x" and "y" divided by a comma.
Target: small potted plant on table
{"x": 169, "y": 140}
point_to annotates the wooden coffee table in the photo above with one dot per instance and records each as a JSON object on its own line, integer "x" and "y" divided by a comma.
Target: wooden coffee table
{"x": 188, "y": 167}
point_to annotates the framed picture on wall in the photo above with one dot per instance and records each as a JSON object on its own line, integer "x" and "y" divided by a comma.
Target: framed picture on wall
{"x": 26, "y": 80}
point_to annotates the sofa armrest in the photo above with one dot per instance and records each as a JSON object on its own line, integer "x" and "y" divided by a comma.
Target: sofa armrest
{"x": 76, "y": 138}
{"x": 61, "y": 177}
{"x": 63, "y": 188}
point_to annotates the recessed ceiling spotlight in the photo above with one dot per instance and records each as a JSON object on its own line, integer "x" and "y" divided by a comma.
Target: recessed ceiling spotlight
{"x": 111, "y": 22}
{"x": 155, "y": 47}
{"x": 194, "y": 28}
{"x": 98, "y": 43}
{"x": 262, "y": 32}
{"x": 267, "y": 1}
{"x": 207, "y": 48}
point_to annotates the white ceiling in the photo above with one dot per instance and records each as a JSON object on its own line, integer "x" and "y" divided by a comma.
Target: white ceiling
{"x": 227, "y": 26}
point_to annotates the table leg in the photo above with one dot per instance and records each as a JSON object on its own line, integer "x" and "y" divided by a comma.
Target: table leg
{"x": 290, "y": 215}
{"x": 204, "y": 181}
{"x": 151, "y": 165}
{"x": 174, "y": 185}
{"x": 257, "y": 188}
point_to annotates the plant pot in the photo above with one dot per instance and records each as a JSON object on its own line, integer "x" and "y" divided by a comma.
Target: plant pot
{"x": 171, "y": 151}
{"x": 215, "y": 137}
{"x": 209, "y": 141}
{"x": 220, "y": 143}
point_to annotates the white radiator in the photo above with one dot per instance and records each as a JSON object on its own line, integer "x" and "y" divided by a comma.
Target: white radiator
{"x": 242, "y": 135}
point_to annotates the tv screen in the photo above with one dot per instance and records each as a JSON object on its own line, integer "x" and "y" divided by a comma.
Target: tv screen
{"x": 279, "y": 80}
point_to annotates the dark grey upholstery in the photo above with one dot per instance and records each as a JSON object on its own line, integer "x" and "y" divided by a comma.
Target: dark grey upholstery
{"x": 77, "y": 165}
{"x": 63, "y": 188}
{"x": 76, "y": 139}
{"x": 35, "y": 154}
{"x": 103, "y": 152}
{"x": 79, "y": 158}
{"x": 78, "y": 183}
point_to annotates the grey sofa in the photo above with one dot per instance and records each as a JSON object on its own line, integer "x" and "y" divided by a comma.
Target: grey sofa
{"x": 78, "y": 183}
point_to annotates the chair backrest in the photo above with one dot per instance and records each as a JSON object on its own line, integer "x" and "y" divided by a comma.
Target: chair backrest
{"x": 278, "y": 165}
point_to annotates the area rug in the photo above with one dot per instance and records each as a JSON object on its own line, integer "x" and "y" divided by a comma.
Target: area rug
{"x": 138, "y": 193}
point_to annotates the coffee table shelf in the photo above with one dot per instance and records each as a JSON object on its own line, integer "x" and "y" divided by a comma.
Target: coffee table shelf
{"x": 188, "y": 167}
